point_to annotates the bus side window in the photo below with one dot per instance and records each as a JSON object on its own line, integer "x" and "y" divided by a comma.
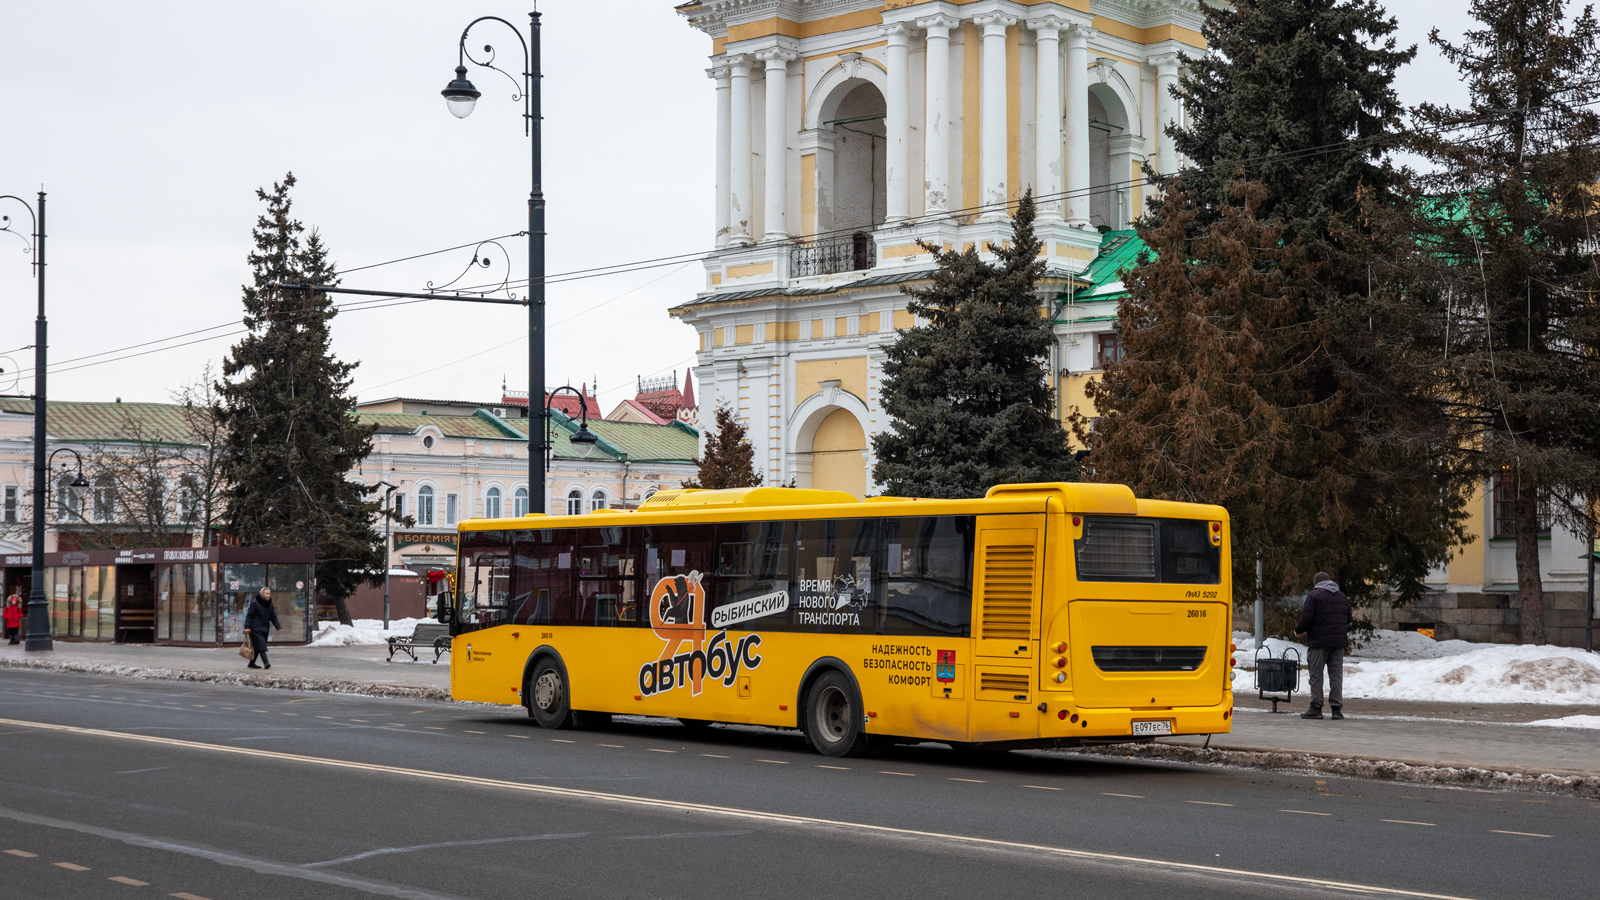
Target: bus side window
{"x": 928, "y": 565}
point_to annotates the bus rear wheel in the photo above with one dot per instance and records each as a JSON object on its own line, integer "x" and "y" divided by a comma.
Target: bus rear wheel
{"x": 832, "y": 722}
{"x": 548, "y": 701}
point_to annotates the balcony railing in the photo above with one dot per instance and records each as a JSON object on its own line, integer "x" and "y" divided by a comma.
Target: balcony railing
{"x": 829, "y": 256}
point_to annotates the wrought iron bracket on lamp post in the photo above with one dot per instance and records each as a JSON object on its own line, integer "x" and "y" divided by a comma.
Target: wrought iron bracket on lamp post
{"x": 461, "y": 96}
{"x": 583, "y": 437}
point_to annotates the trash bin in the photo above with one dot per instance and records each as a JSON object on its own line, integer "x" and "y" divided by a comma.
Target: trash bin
{"x": 1280, "y": 675}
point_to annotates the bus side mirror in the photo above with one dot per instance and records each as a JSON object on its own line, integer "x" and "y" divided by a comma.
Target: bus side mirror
{"x": 445, "y": 607}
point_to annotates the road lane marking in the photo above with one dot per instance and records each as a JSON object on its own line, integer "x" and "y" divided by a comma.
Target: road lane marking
{"x": 788, "y": 819}
{"x": 841, "y": 768}
{"x": 1304, "y": 812}
{"x": 324, "y": 717}
{"x": 658, "y": 750}
{"x": 137, "y": 771}
{"x": 71, "y": 867}
{"x": 1129, "y": 796}
{"x": 1404, "y": 822}
{"x": 613, "y": 746}
{"x": 1040, "y": 787}
{"x": 433, "y": 728}
{"x": 1207, "y": 803}
{"x": 291, "y": 714}
{"x": 776, "y": 762}
{"x": 395, "y": 724}
{"x": 22, "y": 853}
{"x": 556, "y": 740}
{"x": 123, "y": 879}
{"x": 386, "y": 851}
{"x": 362, "y": 721}
{"x": 714, "y": 755}
{"x": 470, "y": 731}
{"x": 253, "y": 864}
{"x": 522, "y": 736}
{"x": 1492, "y": 830}
{"x": 902, "y": 774}
{"x": 969, "y": 780}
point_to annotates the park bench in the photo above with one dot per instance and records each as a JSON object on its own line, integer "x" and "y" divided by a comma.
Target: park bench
{"x": 426, "y": 634}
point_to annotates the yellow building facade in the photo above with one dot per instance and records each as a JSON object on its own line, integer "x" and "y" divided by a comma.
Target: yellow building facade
{"x": 847, "y": 131}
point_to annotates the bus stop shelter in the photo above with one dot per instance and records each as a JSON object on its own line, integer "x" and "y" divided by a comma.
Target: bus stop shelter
{"x": 187, "y": 596}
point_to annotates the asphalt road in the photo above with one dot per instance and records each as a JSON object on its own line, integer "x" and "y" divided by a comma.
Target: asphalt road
{"x": 127, "y": 789}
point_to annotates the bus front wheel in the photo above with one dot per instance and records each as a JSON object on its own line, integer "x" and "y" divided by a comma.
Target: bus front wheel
{"x": 548, "y": 700}
{"x": 833, "y": 723}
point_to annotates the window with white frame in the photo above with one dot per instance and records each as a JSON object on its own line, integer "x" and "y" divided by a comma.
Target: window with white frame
{"x": 574, "y": 502}
{"x": 491, "y": 503}
{"x": 105, "y": 499}
{"x": 425, "y": 505}
{"x": 597, "y": 500}
{"x": 519, "y": 502}
{"x": 452, "y": 515}
{"x": 10, "y": 509}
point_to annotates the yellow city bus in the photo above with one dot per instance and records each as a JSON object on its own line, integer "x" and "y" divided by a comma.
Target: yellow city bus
{"x": 1039, "y": 615}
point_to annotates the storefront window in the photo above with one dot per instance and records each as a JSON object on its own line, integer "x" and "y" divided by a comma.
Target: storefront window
{"x": 185, "y": 610}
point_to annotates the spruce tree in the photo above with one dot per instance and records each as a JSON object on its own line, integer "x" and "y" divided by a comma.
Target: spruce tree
{"x": 292, "y": 439}
{"x": 729, "y": 460}
{"x": 967, "y": 391}
{"x": 1510, "y": 211}
{"x": 1261, "y": 369}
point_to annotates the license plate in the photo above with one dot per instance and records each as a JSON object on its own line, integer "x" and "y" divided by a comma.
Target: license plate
{"x": 1152, "y": 726}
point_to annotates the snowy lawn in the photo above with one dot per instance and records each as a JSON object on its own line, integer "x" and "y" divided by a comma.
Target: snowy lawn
{"x": 1404, "y": 665}
{"x": 364, "y": 631}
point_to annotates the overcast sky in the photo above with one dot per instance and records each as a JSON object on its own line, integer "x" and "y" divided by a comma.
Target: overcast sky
{"x": 151, "y": 125}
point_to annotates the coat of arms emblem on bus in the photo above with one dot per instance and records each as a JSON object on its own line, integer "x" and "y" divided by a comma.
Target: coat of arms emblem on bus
{"x": 678, "y": 617}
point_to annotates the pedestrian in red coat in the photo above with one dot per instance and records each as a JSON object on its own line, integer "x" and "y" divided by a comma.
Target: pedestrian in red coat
{"x": 13, "y": 617}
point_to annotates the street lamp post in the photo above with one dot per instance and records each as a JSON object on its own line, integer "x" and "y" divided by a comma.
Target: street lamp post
{"x": 388, "y": 522}
{"x": 460, "y": 97}
{"x": 38, "y": 630}
{"x": 584, "y": 437}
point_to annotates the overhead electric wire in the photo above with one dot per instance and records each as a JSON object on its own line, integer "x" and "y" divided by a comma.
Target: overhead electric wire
{"x": 658, "y": 262}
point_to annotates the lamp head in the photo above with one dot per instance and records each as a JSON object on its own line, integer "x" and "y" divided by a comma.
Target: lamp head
{"x": 459, "y": 95}
{"x": 79, "y": 486}
{"x": 584, "y": 437}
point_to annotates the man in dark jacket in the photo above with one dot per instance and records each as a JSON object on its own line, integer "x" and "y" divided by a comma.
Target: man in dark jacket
{"x": 1325, "y": 623}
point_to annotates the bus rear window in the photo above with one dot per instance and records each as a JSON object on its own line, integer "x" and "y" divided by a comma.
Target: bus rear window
{"x": 1123, "y": 548}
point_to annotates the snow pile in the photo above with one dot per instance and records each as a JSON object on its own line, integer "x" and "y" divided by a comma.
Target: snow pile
{"x": 364, "y": 631}
{"x": 1399, "y": 665}
{"x": 1570, "y": 722}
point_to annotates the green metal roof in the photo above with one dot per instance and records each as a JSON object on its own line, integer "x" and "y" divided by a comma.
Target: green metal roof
{"x": 108, "y": 423}
{"x": 641, "y": 441}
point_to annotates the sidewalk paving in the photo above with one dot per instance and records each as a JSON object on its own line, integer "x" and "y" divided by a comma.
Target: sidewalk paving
{"x": 1455, "y": 735}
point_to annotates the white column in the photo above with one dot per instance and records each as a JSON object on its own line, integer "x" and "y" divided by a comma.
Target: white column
{"x": 1166, "y": 111}
{"x": 992, "y": 116}
{"x": 897, "y": 124}
{"x": 724, "y": 135}
{"x": 936, "y": 126}
{"x": 1077, "y": 105}
{"x": 739, "y": 211}
{"x": 1047, "y": 116}
{"x": 777, "y": 162}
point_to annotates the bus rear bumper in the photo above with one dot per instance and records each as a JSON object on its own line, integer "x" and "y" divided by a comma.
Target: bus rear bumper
{"x": 1069, "y": 723}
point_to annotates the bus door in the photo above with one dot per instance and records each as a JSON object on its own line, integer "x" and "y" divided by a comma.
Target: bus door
{"x": 1005, "y": 624}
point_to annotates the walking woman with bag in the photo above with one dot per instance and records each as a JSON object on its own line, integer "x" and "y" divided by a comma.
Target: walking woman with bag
{"x": 257, "y": 617}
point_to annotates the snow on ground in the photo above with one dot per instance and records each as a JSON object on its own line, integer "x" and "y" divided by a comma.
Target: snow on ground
{"x": 364, "y": 631}
{"x": 1409, "y": 666}
{"x": 1570, "y": 722}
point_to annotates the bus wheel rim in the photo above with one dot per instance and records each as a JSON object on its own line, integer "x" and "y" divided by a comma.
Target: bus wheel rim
{"x": 834, "y": 718}
{"x": 546, "y": 689}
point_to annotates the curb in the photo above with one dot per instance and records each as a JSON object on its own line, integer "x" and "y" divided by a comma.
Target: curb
{"x": 1582, "y": 786}
{"x": 278, "y": 682}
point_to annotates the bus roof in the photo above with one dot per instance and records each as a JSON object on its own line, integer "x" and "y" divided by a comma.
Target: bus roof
{"x": 759, "y": 503}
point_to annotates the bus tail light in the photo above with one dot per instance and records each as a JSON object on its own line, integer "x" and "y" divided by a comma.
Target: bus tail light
{"x": 1015, "y": 714}
{"x": 1216, "y": 533}
{"x": 1061, "y": 662}
{"x": 1061, "y": 677}
{"x": 1058, "y": 647}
